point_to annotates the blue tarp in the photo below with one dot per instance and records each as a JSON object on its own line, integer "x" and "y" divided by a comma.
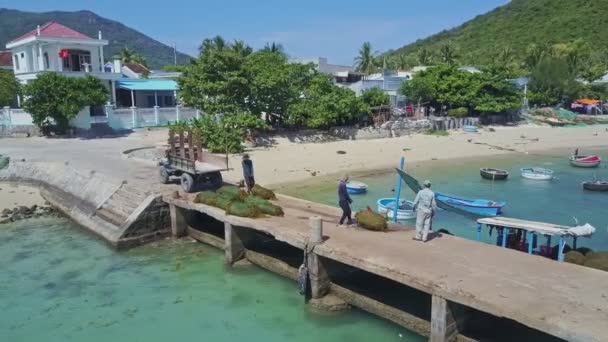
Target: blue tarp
{"x": 152, "y": 85}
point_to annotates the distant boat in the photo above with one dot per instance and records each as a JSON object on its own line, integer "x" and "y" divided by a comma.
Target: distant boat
{"x": 585, "y": 161}
{"x": 598, "y": 185}
{"x": 475, "y": 206}
{"x": 470, "y": 128}
{"x": 537, "y": 173}
{"x": 355, "y": 187}
{"x": 493, "y": 174}
{"x": 386, "y": 206}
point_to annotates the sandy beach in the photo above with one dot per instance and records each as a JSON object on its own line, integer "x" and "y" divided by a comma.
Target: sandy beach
{"x": 14, "y": 195}
{"x": 287, "y": 161}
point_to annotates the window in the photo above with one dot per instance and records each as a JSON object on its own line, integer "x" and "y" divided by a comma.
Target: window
{"x": 17, "y": 62}
{"x": 46, "y": 60}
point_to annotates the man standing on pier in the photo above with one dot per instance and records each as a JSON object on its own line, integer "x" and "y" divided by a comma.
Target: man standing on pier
{"x": 248, "y": 172}
{"x": 425, "y": 206}
{"x": 344, "y": 200}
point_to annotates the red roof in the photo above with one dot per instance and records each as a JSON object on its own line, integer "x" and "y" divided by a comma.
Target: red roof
{"x": 53, "y": 30}
{"x": 6, "y": 59}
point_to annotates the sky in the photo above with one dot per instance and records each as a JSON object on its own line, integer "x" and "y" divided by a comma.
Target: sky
{"x": 335, "y": 29}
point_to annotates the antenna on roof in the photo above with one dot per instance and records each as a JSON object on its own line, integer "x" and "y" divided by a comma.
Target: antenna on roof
{"x": 99, "y": 34}
{"x": 38, "y": 30}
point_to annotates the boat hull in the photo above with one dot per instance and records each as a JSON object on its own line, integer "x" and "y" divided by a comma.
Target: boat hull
{"x": 355, "y": 188}
{"x": 470, "y": 129}
{"x": 479, "y": 207}
{"x": 386, "y": 207}
{"x": 493, "y": 174}
{"x": 537, "y": 174}
{"x": 595, "y": 186}
{"x": 585, "y": 161}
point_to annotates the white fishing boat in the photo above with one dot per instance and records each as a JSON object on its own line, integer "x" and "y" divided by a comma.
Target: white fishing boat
{"x": 386, "y": 206}
{"x": 537, "y": 173}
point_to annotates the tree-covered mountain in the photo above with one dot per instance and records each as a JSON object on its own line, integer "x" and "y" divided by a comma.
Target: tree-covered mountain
{"x": 14, "y": 23}
{"x": 514, "y": 27}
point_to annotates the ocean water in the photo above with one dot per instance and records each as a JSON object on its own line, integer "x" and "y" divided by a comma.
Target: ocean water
{"x": 59, "y": 283}
{"x": 559, "y": 201}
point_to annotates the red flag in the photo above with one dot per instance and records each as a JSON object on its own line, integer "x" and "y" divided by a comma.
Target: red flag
{"x": 64, "y": 53}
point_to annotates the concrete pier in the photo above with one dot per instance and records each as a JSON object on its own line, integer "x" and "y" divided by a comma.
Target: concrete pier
{"x": 234, "y": 248}
{"x": 462, "y": 277}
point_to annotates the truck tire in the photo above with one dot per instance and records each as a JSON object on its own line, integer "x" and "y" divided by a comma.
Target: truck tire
{"x": 164, "y": 175}
{"x": 187, "y": 182}
{"x": 215, "y": 179}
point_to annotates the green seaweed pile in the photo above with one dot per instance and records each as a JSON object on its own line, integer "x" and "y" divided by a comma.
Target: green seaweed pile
{"x": 262, "y": 192}
{"x": 371, "y": 221}
{"x": 586, "y": 257}
{"x": 237, "y": 202}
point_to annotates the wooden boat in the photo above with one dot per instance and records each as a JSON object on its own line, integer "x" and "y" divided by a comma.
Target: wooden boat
{"x": 493, "y": 174}
{"x": 355, "y": 187}
{"x": 386, "y": 206}
{"x": 481, "y": 207}
{"x": 597, "y": 185}
{"x": 585, "y": 161}
{"x": 537, "y": 173}
{"x": 470, "y": 129}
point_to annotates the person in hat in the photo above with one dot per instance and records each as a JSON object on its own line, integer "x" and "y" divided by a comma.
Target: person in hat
{"x": 425, "y": 206}
{"x": 248, "y": 172}
{"x": 344, "y": 201}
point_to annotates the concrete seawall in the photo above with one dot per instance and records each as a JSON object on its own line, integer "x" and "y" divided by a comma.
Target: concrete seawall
{"x": 87, "y": 198}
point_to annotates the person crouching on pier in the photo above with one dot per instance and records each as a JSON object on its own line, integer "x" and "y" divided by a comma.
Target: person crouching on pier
{"x": 425, "y": 206}
{"x": 344, "y": 201}
{"x": 248, "y": 172}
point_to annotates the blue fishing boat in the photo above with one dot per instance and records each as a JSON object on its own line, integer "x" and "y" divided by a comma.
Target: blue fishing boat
{"x": 481, "y": 207}
{"x": 355, "y": 187}
{"x": 470, "y": 129}
{"x": 386, "y": 206}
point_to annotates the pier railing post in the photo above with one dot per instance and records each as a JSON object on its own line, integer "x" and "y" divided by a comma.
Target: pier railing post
{"x": 445, "y": 318}
{"x": 319, "y": 279}
{"x": 178, "y": 221}
{"x": 234, "y": 249}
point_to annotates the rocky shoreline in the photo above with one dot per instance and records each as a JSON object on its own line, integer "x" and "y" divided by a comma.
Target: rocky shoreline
{"x": 23, "y": 212}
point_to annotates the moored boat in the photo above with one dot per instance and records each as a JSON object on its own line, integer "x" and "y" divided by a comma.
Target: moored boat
{"x": 537, "y": 173}
{"x": 386, "y": 206}
{"x": 355, "y": 187}
{"x": 493, "y": 174}
{"x": 597, "y": 185}
{"x": 585, "y": 161}
{"x": 475, "y": 206}
{"x": 470, "y": 128}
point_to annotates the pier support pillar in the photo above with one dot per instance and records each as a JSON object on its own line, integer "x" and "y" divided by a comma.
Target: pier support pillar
{"x": 234, "y": 249}
{"x": 178, "y": 221}
{"x": 445, "y": 320}
{"x": 319, "y": 279}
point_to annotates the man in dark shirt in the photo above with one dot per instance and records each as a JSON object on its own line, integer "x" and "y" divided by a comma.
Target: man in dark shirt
{"x": 248, "y": 172}
{"x": 344, "y": 200}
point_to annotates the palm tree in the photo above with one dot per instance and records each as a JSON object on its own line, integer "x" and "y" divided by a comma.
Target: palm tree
{"x": 447, "y": 53}
{"x": 125, "y": 55}
{"x": 274, "y": 47}
{"x": 139, "y": 59}
{"x": 241, "y": 48}
{"x": 424, "y": 57}
{"x": 401, "y": 62}
{"x": 504, "y": 55}
{"x": 365, "y": 62}
{"x": 534, "y": 54}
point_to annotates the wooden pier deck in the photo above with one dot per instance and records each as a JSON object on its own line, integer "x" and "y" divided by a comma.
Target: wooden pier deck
{"x": 563, "y": 300}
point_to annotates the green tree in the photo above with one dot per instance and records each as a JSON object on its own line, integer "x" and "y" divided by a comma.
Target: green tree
{"x": 375, "y": 97}
{"x": 424, "y": 57}
{"x": 221, "y": 134}
{"x": 494, "y": 93}
{"x": 60, "y": 98}
{"x": 552, "y": 81}
{"x": 125, "y": 55}
{"x": 401, "y": 62}
{"x": 274, "y": 47}
{"x": 9, "y": 88}
{"x": 366, "y": 60}
{"x": 216, "y": 82}
{"x": 448, "y": 54}
{"x": 324, "y": 105}
{"x": 534, "y": 55}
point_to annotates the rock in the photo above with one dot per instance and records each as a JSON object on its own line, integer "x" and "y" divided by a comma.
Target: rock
{"x": 6, "y": 212}
{"x": 329, "y": 303}
{"x": 242, "y": 264}
{"x": 23, "y": 209}
{"x": 341, "y": 152}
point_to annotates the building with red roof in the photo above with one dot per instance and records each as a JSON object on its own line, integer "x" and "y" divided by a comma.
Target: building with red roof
{"x": 6, "y": 60}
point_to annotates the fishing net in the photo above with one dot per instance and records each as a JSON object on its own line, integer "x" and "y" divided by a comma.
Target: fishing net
{"x": 564, "y": 113}
{"x": 262, "y": 192}
{"x": 242, "y": 209}
{"x": 223, "y": 201}
{"x": 371, "y": 221}
{"x": 229, "y": 190}
{"x": 264, "y": 206}
{"x": 206, "y": 197}
{"x": 4, "y": 160}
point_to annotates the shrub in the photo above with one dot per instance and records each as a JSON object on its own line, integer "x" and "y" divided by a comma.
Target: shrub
{"x": 459, "y": 112}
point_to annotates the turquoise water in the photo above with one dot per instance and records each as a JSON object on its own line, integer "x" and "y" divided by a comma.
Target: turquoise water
{"x": 556, "y": 201}
{"x": 59, "y": 283}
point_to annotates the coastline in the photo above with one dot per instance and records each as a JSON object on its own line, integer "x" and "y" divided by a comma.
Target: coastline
{"x": 14, "y": 194}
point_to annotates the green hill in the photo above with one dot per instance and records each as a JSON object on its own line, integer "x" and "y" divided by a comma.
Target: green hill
{"x": 14, "y": 23}
{"x": 519, "y": 24}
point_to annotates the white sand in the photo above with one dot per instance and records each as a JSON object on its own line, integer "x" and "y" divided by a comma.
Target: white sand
{"x": 291, "y": 162}
{"x": 13, "y": 195}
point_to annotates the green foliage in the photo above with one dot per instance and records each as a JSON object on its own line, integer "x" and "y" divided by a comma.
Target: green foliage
{"x": 448, "y": 54}
{"x": 324, "y": 104}
{"x": 366, "y": 59}
{"x": 9, "y": 88}
{"x": 551, "y": 82}
{"x": 375, "y": 97}
{"x": 459, "y": 112}
{"x": 53, "y": 96}
{"x": 371, "y": 221}
{"x": 263, "y": 192}
{"x": 517, "y": 25}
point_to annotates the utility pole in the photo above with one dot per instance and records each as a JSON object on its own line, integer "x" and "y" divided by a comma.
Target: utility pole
{"x": 175, "y": 53}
